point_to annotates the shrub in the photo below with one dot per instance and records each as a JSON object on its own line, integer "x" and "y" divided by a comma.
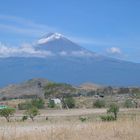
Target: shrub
{"x": 7, "y": 112}
{"x": 99, "y": 103}
{"x": 38, "y": 103}
{"x": 114, "y": 108}
{"x": 57, "y": 89}
{"x": 24, "y": 106}
{"x": 69, "y": 102}
{"x": 128, "y": 103}
{"x": 32, "y": 112}
{"x": 24, "y": 118}
{"x": 83, "y": 118}
{"x": 51, "y": 104}
{"x": 107, "y": 118}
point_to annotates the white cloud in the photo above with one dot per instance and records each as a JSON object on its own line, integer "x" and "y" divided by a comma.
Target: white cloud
{"x": 114, "y": 50}
{"x": 23, "y": 26}
{"x": 26, "y": 50}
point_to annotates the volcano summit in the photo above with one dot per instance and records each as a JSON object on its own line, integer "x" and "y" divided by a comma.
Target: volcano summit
{"x": 59, "y": 59}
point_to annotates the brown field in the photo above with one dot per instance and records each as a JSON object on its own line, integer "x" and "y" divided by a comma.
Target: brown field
{"x": 65, "y": 125}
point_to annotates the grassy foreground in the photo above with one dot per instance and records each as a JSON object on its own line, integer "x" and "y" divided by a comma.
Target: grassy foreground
{"x": 123, "y": 129}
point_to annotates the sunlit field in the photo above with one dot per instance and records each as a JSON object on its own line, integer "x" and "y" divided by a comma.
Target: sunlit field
{"x": 71, "y": 128}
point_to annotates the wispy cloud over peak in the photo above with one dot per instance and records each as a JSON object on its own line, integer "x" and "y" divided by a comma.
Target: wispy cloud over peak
{"x": 28, "y": 50}
{"x": 22, "y": 26}
{"x": 25, "y": 50}
{"x": 114, "y": 50}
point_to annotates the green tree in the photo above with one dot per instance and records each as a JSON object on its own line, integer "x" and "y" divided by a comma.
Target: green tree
{"x": 7, "y": 112}
{"x": 114, "y": 108}
{"x": 51, "y": 104}
{"x": 32, "y": 112}
{"x": 68, "y": 102}
{"x": 38, "y": 103}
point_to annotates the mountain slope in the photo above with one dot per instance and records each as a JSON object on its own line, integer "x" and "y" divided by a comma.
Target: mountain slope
{"x": 32, "y": 87}
{"x": 68, "y": 63}
{"x": 56, "y": 42}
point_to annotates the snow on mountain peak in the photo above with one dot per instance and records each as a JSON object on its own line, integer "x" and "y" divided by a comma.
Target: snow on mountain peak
{"x": 49, "y": 37}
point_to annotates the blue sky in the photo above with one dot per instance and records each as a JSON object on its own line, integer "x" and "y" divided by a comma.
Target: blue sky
{"x": 109, "y": 27}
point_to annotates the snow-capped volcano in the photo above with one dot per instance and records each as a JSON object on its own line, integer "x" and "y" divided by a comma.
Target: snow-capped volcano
{"x": 49, "y": 37}
{"x": 59, "y": 59}
{"x": 59, "y": 44}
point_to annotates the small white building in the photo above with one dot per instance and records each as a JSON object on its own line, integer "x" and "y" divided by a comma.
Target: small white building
{"x": 56, "y": 100}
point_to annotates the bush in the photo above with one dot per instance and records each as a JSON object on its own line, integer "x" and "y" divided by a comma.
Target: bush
{"x": 7, "y": 112}
{"x": 38, "y": 103}
{"x": 128, "y": 103}
{"x": 57, "y": 89}
{"x": 69, "y": 102}
{"x": 107, "y": 118}
{"x": 32, "y": 112}
{"x": 24, "y": 118}
{"x": 51, "y": 104}
{"x": 99, "y": 103}
{"x": 114, "y": 108}
{"x": 83, "y": 118}
{"x": 24, "y": 106}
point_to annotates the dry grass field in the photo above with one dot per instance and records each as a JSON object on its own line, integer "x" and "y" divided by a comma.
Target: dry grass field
{"x": 120, "y": 130}
{"x": 126, "y": 128}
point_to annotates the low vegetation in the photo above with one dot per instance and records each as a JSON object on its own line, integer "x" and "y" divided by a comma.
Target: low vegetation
{"x": 6, "y": 113}
{"x": 83, "y": 118}
{"x": 129, "y": 103}
{"x": 68, "y": 102}
{"x": 24, "y": 105}
{"x": 31, "y": 113}
{"x": 51, "y": 104}
{"x": 97, "y": 125}
{"x": 58, "y": 90}
{"x": 114, "y": 109}
{"x": 112, "y": 113}
{"x": 107, "y": 118}
{"x": 37, "y": 102}
{"x": 99, "y": 103}
{"x": 25, "y": 117}
{"x": 124, "y": 129}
